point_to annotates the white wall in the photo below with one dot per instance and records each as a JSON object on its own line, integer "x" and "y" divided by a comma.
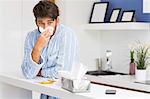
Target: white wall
{"x": 10, "y": 34}
{"x": 14, "y": 21}
{"x": 0, "y": 38}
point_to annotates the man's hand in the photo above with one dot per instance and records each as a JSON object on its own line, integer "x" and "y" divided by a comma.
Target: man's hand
{"x": 40, "y": 44}
{"x": 43, "y": 40}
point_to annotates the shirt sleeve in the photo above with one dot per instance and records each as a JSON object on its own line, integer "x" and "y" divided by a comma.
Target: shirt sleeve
{"x": 66, "y": 56}
{"x": 30, "y": 68}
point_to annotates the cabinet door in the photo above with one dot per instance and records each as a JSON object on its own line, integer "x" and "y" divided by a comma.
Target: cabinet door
{"x": 35, "y": 95}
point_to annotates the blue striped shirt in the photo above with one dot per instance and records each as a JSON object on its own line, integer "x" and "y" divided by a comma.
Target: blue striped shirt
{"x": 59, "y": 54}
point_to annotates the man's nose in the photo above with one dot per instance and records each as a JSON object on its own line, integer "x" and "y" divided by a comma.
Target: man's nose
{"x": 45, "y": 26}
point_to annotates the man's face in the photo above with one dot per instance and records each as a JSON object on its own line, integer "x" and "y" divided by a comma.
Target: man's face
{"x": 46, "y": 22}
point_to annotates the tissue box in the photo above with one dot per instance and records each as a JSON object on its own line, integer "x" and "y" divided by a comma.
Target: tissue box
{"x": 75, "y": 85}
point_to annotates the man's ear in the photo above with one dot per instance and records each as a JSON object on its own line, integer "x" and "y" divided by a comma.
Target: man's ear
{"x": 56, "y": 22}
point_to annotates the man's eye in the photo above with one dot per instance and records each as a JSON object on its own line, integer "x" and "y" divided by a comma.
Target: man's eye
{"x": 40, "y": 23}
{"x": 49, "y": 23}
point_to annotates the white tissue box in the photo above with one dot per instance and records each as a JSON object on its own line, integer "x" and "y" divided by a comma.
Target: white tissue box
{"x": 75, "y": 85}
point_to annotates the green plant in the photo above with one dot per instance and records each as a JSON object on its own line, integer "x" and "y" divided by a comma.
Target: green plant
{"x": 142, "y": 55}
{"x": 132, "y": 56}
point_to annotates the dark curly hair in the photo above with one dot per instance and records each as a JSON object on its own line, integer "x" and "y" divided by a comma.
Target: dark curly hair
{"x": 46, "y": 8}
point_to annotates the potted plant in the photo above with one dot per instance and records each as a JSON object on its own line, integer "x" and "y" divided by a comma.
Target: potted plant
{"x": 142, "y": 60}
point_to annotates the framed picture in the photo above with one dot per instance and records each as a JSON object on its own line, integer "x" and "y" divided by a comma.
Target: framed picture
{"x": 115, "y": 14}
{"x": 98, "y": 12}
{"x": 127, "y": 16}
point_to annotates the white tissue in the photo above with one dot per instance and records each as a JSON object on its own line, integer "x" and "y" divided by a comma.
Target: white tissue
{"x": 77, "y": 72}
{"x": 41, "y": 29}
{"x": 50, "y": 28}
{"x": 65, "y": 74}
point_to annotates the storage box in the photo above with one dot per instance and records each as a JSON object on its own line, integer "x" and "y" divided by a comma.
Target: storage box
{"x": 75, "y": 85}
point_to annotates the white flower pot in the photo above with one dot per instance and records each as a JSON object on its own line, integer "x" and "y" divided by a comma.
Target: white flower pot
{"x": 140, "y": 75}
{"x": 148, "y": 73}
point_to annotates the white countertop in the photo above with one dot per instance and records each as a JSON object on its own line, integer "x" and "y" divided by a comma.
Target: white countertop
{"x": 96, "y": 92}
{"x": 123, "y": 81}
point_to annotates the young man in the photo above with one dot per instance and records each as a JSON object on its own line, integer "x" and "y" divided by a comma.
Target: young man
{"x": 51, "y": 47}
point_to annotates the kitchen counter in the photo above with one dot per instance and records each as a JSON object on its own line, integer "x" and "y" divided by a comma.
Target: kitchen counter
{"x": 96, "y": 92}
{"x": 120, "y": 81}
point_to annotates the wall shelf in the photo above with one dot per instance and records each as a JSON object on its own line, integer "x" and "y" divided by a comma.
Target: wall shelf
{"x": 118, "y": 26}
